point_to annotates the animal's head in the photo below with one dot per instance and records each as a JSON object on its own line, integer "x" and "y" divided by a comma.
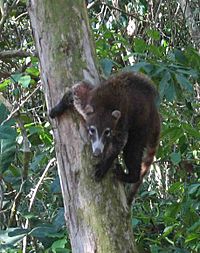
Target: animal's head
{"x": 100, "y": 121}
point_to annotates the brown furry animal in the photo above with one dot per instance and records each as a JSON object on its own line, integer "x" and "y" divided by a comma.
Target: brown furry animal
{"x": 120, "y": 115}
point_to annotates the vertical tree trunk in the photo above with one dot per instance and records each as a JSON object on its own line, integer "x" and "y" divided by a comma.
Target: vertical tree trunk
{"x": 192, "y": 19}
{"x": 97, "y": 214}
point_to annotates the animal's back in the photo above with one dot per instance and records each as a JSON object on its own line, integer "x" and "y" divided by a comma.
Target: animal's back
{"x": 124, "y": 85}
{"x": 131, "y": 93}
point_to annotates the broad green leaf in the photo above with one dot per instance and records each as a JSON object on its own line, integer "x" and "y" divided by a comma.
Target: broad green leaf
{"x": 3, "y": 112}
{"x": 179, "y": 56}
{"x": 43, "y": 231}
{"x": 164, "y": 83}
{"x": 184, "y": 82}
{"x": 175, "y": 158}
{"x": 153, "y": 34}
{"x": 25, "y": 81}
{"x": 15, "y": 78}
{"x": 7, "y": 153}
{"x": 155, "y": 50}
{"x": 106, "y": 65}
{"x": 168, "y": 230}
{"x": 141, "y": 66}
{"x": 4, "y": 84}
{"x": 194, "y": 188}
{"x": 195, "y": 227}
{"x": 191, "y": 131}
{"x": 55, "y": 186}
{"x": 170, "y": 92}
{"x": 191, "y": 237}
{"x": 154, "y": 249}
{"x": 7, "y": 132}
{"x": 6, "y": 239}
{"x": 59, "y": 244}
{"x": 176, "y": 187}
{"x": 59, "y": 220}
{"x": 173, "y": 133}
{"x": 33, "y": 71}
{"x": 18, "y": 231}
{"x": 139, "y": 45}
{"x": 135, "y": 222}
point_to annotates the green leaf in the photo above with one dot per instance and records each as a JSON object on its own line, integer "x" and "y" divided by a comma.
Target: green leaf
{"x": 141, "y": 66}
{"x": 135, "y": 222}
{"x": 139, "y": 45}
{"x": 155, "y": 50}
{"x": 179, "y": 56}
{"x": 43, "y": 231}
{"x": 59, "y": 220}
{"x": 184, "y": 82}
{"x": 7, "y": 132}
{"x": 18, "y": 231}
{"x": 164, "y": 83}
{"x": 168, "y": 230}
{"x": 4, "y": 84}
{"x": 154, "y": 249}
{"x": 7, "y": 153}
{"x": 3, "y": 112}
{"x": 7, "y": 240}
{"x": 191, "y": 131}
{"x": 33, "y": 71}
{"x": 25, "y": 81}
{"x": 106, "y": 65}
{"x": 175, "y": 158}
{"x": 194, "y": 188}
{"x": 59, "y": 244}
{"x": 191, "y": 237}
{"x": 176, "y": 187}
{"x": 15, "y": 77}
{"x": 170, "y": 92}
{"x": 195, "y": 227}
{"x": 153, "y": 34}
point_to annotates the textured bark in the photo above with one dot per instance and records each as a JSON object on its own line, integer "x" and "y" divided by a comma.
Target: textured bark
{"x": 97, "y": 214}
{"x": 192, "y": 18}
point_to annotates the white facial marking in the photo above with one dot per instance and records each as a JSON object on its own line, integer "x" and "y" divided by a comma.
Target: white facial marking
{"x": 97, "y": 144}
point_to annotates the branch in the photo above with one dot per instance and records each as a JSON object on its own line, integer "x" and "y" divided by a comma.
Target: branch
{"x": 6, "y": 12}
{"x": 13, "y": 113}
{"x": 33, "y": 198}
{"x": 126, "y": 13}
{"x": 16, "y": 53}
{"x": 90, "y": 5}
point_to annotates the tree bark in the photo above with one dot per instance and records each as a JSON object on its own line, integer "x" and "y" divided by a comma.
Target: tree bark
{"x": 97, "y": 214}
{"x": 192, "y": 19}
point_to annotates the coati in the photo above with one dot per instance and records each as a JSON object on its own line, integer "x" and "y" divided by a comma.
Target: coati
{"x": 120, "y": 115}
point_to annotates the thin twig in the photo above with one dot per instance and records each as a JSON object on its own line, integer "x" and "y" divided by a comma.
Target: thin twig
{"x": 12, "y": 114}
{"x": 126, "y": 13}
{"x": 33, "y": 198}
{"x": 6, "y": 13}
{"x": 90, "y": 5}
{"x": 40, "y": 182}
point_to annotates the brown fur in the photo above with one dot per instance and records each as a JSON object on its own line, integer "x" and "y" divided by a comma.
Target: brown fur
{"x": 137, "y": 128}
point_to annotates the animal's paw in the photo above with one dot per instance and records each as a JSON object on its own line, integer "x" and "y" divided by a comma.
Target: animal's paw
{"x": 118, "y": 171}
{"x": 99, "y": 172}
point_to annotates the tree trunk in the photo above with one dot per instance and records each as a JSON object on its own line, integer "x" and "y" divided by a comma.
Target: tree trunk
{"x": 192, "y": 19}
{"x": 97, "y": 214}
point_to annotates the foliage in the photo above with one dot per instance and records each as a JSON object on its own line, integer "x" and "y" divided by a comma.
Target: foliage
{"x": 133, "y": 36}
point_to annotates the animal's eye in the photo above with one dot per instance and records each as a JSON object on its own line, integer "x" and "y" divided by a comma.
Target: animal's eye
{"x": 107, "y": 132}
{"x": 91, "y": 130}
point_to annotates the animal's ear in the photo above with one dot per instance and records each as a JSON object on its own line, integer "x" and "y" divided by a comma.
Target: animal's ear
{"x": 88, "y": 109}
{"x": 81, "y": 94}
{"x": 116, "y": 114}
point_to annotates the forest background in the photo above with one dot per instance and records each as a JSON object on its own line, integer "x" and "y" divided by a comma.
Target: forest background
{"x": 154, "y": 37}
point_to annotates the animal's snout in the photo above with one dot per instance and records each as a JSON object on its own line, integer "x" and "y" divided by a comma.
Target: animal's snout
{"x": 97, "y": 152}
